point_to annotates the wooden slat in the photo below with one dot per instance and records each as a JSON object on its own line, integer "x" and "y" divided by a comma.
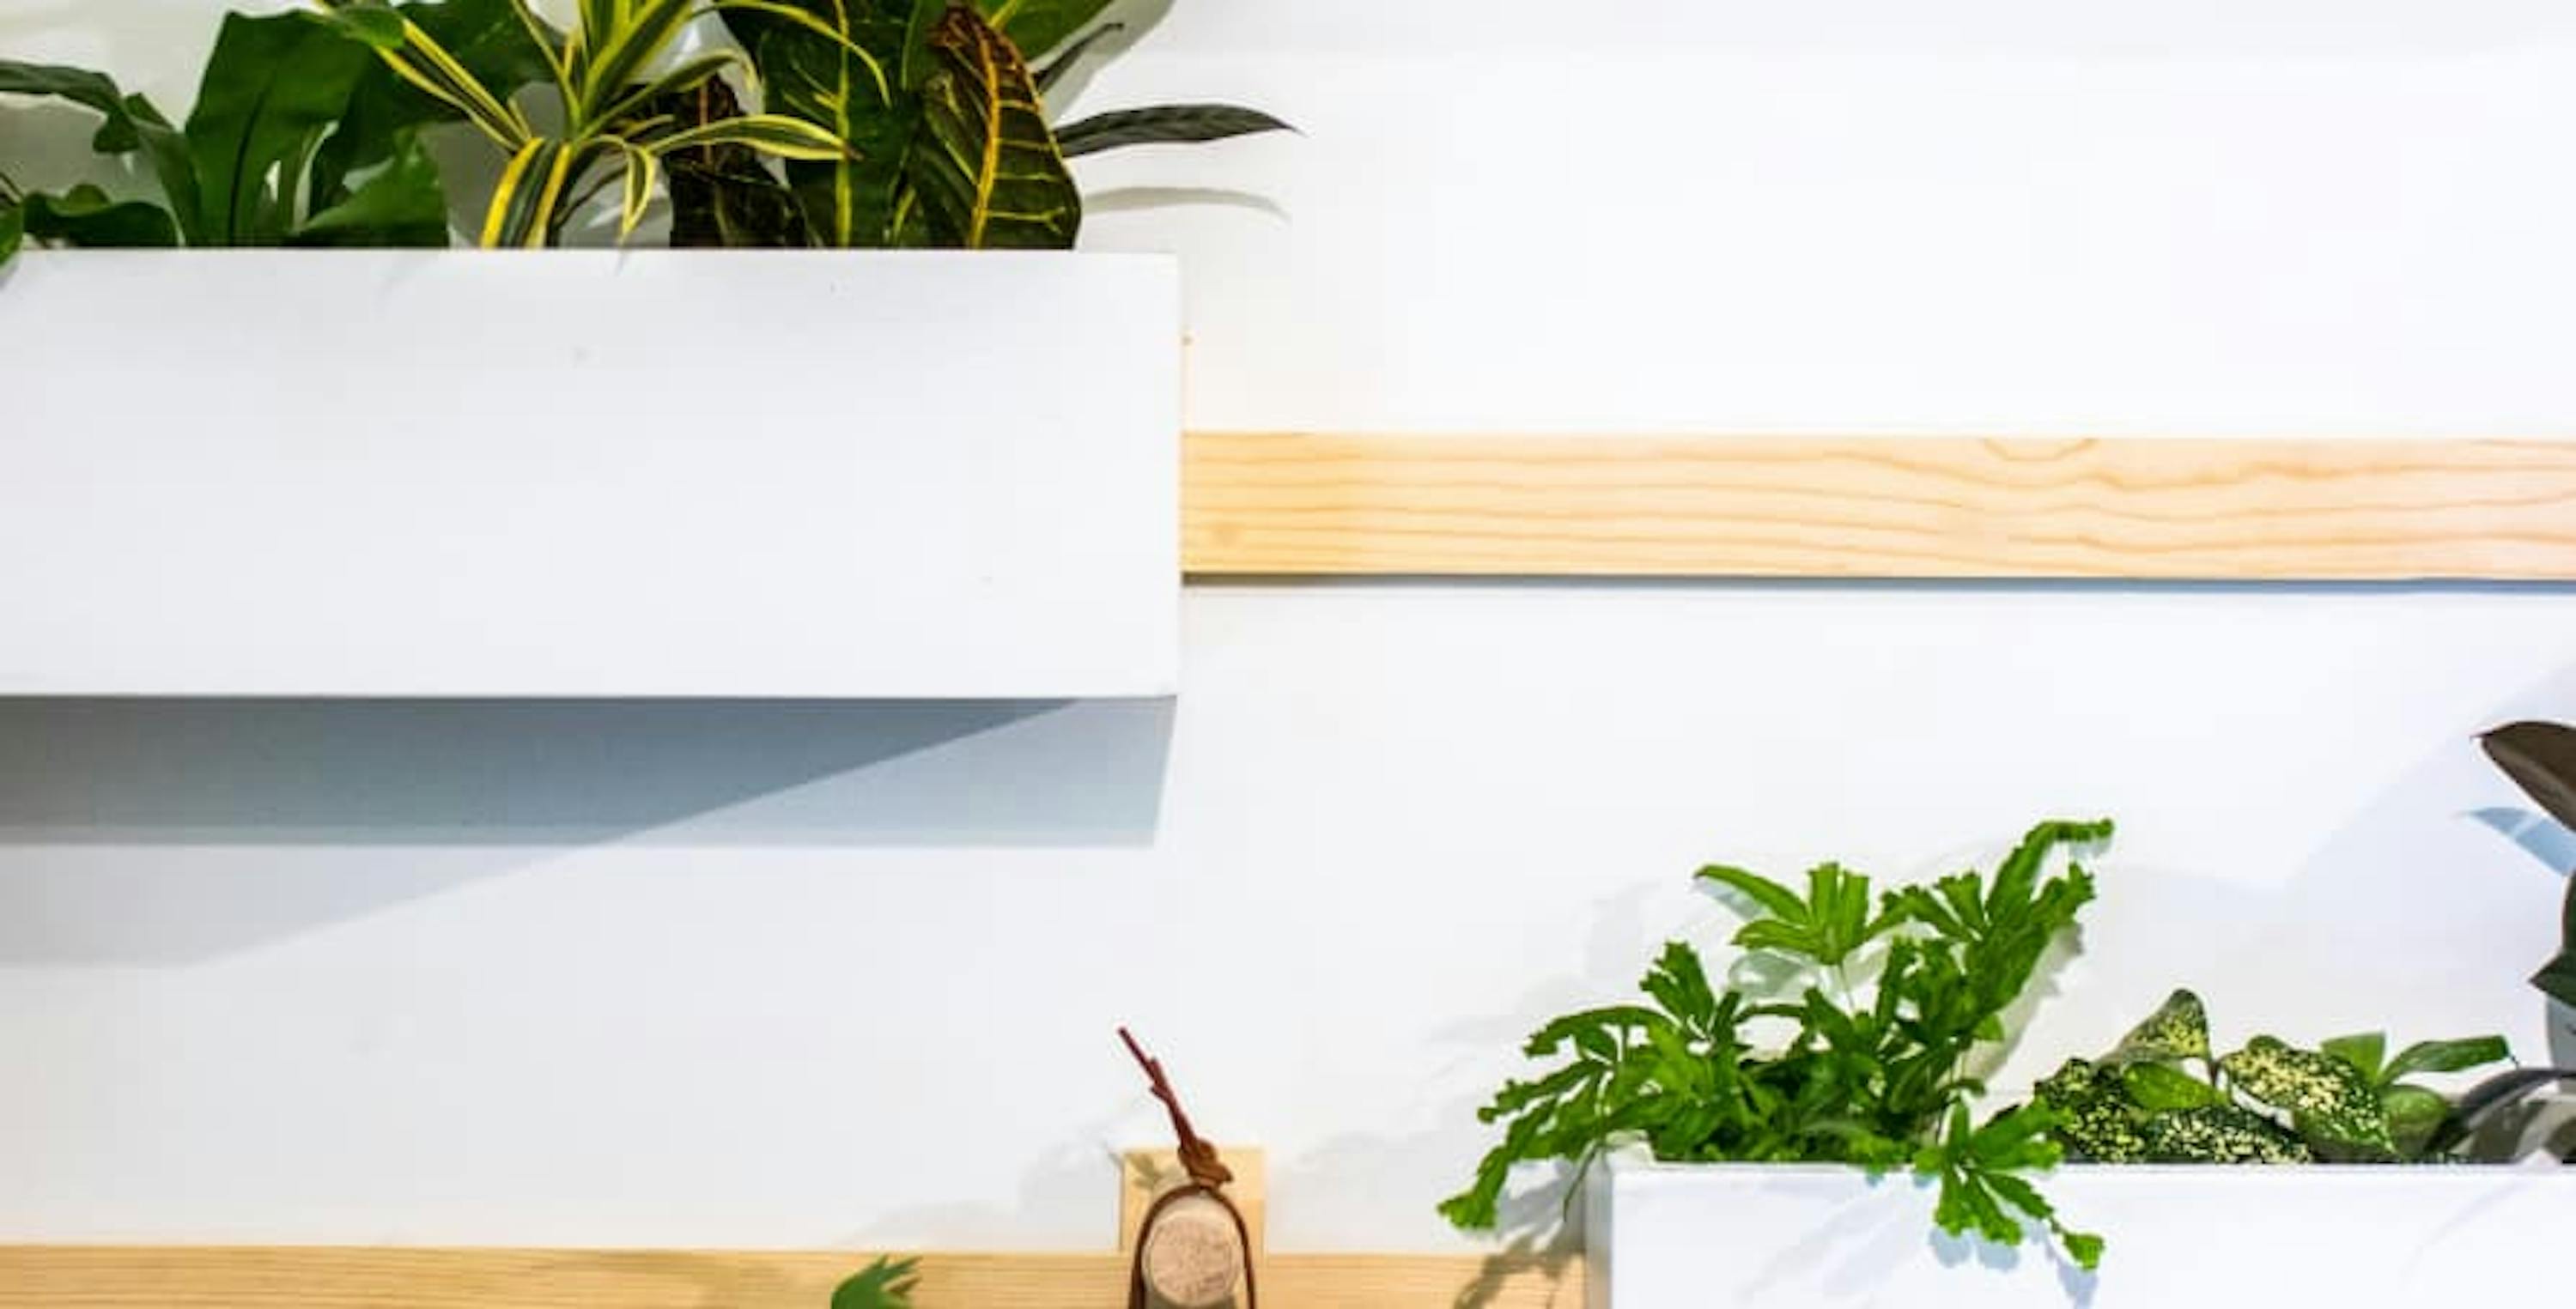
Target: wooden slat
{"x": 208, "y": 1278}
{"x": 2327, "y": 510}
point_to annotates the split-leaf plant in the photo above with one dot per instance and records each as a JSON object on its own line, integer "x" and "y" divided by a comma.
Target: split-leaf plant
{"x": 297, "y": 138}
{"x": 2164, "y": 1096}
{"x": 1897, "y": 1001}
{"x": 2541, "y": 759}
{"x": 943, "y": 104}
{"x": 609, "y": 73}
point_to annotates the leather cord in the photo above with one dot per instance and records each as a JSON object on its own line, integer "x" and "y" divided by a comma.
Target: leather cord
{"x": 1208, "y": 1177}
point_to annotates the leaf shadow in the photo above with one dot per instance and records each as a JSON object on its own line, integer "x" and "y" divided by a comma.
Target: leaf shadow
{"x": 1136, "y": 199}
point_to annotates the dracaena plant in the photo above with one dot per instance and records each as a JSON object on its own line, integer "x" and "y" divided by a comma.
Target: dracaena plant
{"x": 944, "y": 106}
{"x": 608, "y": 73}
{"x": 2541, "y": 759}
{"x": 1898, "y": 1000}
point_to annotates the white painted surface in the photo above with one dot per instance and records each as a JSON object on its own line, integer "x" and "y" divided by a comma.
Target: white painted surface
{"x": 2244, "y": 1238}
{"x": 453, "y": 474}
{"x": 665, "y": 976}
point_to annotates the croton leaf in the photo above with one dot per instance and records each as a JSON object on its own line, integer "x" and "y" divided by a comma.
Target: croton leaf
{"x": 1037, "y": 27}
{"x": 1163, "y": 125}
{"x": 130, "y": 124}
{"x": 818, "y": 76}
{"x": 2541, "y": 759}
{"x": 987, "y": 167}
{"x": 723, "y": 195}
{"x": 272, "y": 87}
{"x": 2335, "y": 1108}
{"x": 2219, "y": 1134}
{"x": 88, "y": 216}
{"x": 2176, "y": 1031}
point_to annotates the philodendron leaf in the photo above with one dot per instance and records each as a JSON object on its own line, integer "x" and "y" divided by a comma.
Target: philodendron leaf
{"x": 2541, "y": 759}
{"x": 2334, "y": 1107}
{"x": 2158, "y": 1088}
{"x": 1037, "y": 27}
{"x": 1163, "y": 125}
{"x": 88, "y": 216}
{"x": 2176, "y": 1031}
{"x": 2414, "y": 1115}
{"x": 2446, "y": 1057}
{"x": 987, "y": 166}
{"x": 131, "y": 124}
{"x": 2219, "y": 1134}
{"x": 489, "y": 38}
{"x": 401, "y": 204}
{"x": 272, "y": 87}
{"x": 2365, "y": 1052}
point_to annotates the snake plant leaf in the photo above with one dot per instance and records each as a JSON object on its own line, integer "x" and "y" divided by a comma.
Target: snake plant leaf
{"x": 2335, "y": 1109}
{"x": 2160, "y": 1088}
{"x": 1036, "y": 27}
{"x": 885, "y": 1284}
{"x": 402, "y": 204}
{"x": 1163, "y": 125}
{"x": 88, "y": 216}
{"x": 2178, "y": 1030}
{"x": 2446, "y": 1057}
{"x": 2541, "y": 759}
{"x": 2366, "y": 1051}
{"x": 2414, "y": 1116}
{"x": 2219, "y": 1134}
{"x": 986, "y": 164}
{"x": 272, "y": 88}
{"x": 488, "y": 38}
{"x": 129, "y": 123}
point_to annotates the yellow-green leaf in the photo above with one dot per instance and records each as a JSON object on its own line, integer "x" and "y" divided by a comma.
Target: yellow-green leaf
{"x": 988, "y": 167}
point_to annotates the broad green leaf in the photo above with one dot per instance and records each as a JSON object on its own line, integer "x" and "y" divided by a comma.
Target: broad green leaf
{"x": 851, "y": 201}
{"x": 915, "y": 61}
{"x": 2335, "y": 1109}
{"x": 1771, "y": 897}
{"x": 2447, "y": 1057}
{"x": 2541, "y": 759}
{"x": 272, "y": 87}
{"x": 2557, "y": 978}
{"x": 88, "y": 216}
{"x": 2414, "y": 1116}
{"x": 2219, "y": 1134}
{"x": 1163, "y": 125}
{"x": 1037, "y": 27}
{"x": 885, "y": 1284}
{"x": 2366, "y": 1052}
{"x": 130, "y": 124}
{"x": 2159, "y": 1088}
{"x": 986, "y": 166}
{"x": 2178, "y": 1030}
{"x": 400, "y": 204}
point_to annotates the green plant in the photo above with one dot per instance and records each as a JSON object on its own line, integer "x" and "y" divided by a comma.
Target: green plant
{"x": 297, "y": 138}
{"x": 603, "y": 72}
{"x": 1879, "y": 1073}
{"x": 945, "y": 113}
{"x": 2269, "y": 1102}
{"x": 2541, "y": 759}
{"x": 885, "y": 1284}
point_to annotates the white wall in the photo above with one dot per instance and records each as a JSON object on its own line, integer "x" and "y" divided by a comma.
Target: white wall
{"x": 800, "y": 976}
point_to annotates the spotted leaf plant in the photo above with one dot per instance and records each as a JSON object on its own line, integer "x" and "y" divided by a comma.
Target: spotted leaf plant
{"x": 1896, "y": 1000}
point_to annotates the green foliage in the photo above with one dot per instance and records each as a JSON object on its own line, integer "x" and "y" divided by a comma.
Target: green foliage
{"x": 2269, "y": 1102}
{"x": 2541, "y": 759}
{"x": 1877, "y": 1076}
{"x": 885, "y": 1284}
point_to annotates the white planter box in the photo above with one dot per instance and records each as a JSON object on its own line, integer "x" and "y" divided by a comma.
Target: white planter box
{"x": 589, "y": 474}
{"x": 1664, "y": 1236}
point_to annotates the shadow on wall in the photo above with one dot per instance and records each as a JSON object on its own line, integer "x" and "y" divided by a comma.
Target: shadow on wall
{"x": 174, "y": 830}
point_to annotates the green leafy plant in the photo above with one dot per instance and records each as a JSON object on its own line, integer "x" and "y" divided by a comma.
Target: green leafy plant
{"x": 2541, "y": 759}
{"x": 885, "y": 1284}
{"x": 2163, "y": 1096}
{"x": 1896, "y": 999}
{"x": 944, "y": 110}
{"x": 297, "y": 138}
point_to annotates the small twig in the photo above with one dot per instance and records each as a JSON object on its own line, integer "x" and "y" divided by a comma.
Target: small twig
{"x": 1197, "y": 1156}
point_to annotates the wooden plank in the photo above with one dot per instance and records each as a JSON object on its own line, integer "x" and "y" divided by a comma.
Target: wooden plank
{"x": 60, "y": 1277}
{"x": 2324, "y": 510}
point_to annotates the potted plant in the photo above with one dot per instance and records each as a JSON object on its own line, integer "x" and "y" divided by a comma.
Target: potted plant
{"x": 1812, "y": 1136}
{"x": 2541, "y": 759}
{"x": 388, "y": 470}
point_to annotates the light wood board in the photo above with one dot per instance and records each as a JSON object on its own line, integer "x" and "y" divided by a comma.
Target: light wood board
{"x": 1904, "y": 507}
{"x": 208, "y": 1278}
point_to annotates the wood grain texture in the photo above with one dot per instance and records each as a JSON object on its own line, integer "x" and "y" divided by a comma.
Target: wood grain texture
{"x": 208, "y": 1278}
{"x": 1899, "y": 507}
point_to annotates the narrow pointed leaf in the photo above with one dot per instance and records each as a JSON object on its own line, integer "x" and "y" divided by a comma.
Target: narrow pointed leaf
{"x": 2541, "y": 759}
{"x": 490, "y": 40}
{"x": 2557, "y": 978}
{"x": 685, "y": 76}
{"x": 770, "y": 134}
{"x": 2446, "y": 1057}
{"x": 987, "y": 166}
{"x": 1163, "y": 125}
{"x": 721, "y": 195}
{"x": 2493, "y": 1096}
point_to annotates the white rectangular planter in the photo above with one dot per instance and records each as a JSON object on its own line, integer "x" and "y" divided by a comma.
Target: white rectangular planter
{"x": 589, "y": 474}
{"x": 1665, "y": 1236}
